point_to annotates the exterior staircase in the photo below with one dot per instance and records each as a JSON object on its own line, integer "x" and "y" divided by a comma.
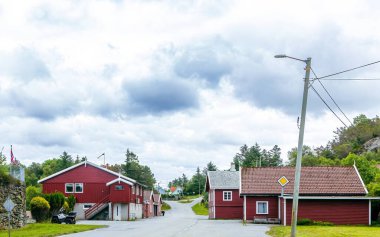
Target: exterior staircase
{"x": 95, "y": 209}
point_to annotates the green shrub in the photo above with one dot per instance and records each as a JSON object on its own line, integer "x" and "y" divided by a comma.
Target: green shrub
{"x": 56, "y": 201}
{"x": 165, "y": 206}
{"x": 323, "y": 223}
{"x": 39, "y": 208}
{"x": 6, "y": 179}
{"x": 304, "y": 221}
{"x": 71, "y": 200}
{"x": 66, "y": 208}
{"x": 32, "y": 192}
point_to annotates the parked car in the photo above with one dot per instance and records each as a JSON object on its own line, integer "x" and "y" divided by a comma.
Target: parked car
{"x": 63, "y": 218}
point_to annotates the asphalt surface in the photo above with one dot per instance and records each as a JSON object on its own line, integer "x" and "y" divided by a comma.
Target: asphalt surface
{"x": 180, "y": 221}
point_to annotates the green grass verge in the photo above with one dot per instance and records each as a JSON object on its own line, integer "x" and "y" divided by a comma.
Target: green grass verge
{"x": 185, "y": 200}
{"x": 191, "y": 196}
{"x": 199, "y": 209}
{"x": 322, "y": 231}
{"x": 165, "y": 207}
{"x": 48, "y": 230}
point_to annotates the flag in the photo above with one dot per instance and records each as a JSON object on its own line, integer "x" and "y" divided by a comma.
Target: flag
{"x": 12, "y": 156}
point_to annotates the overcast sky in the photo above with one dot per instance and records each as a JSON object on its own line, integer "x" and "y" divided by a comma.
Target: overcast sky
{"x": 180, "y": 83}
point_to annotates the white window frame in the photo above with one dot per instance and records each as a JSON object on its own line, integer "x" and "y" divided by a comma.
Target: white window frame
{"x": 85, "y": 208}
{"x": 75, "y": 187}
{"x": 226, "y": 192}
{"x": 257, "y": 207}
{"x": 133, "y": 189}
{"x": 72, "y": 185}
{"x": 121, "y": 187}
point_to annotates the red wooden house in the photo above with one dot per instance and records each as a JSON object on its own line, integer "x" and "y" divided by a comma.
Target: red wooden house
{"x": 223, "y": 190}
{"x": 100, "y": 193}
{"x": 152, "y": 204}
{"x": 332, "y": 194}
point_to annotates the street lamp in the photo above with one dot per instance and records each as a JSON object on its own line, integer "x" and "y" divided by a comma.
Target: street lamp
{"x": 300, "y": 141}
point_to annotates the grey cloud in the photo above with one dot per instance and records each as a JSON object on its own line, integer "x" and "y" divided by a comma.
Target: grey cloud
{"x": 208, "y": 61}
{"x": 23, "y": 64}
{"x": 155, "y": 96}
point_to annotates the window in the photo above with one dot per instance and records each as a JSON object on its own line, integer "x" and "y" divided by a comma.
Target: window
{"x": 69, "y": 188}
{"x": 227, "y": 195}
{"x": 137, "y": 190}
{"x": 261, "y": 207}
{"x": 79, "y": 188}
{"x": 87, "y": 206}
{"x": 133, "y": 189}
{"x": 119, "y": 187}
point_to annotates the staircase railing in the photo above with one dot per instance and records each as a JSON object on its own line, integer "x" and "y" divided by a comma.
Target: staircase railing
{"x": 96, "y": 207}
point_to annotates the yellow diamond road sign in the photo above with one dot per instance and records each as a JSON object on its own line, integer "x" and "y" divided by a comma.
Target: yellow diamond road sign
{"x": 283, "y": 181}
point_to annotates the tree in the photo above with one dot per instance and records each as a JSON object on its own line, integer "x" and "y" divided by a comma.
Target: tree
{"x": 65, "y": 160}
{"x": 209, "y": 167}
{"x": 366, "y": 168}
{"x": 133, "y": 169}
{"x": 33, "y": 173}
{"x": 256, "y": 157}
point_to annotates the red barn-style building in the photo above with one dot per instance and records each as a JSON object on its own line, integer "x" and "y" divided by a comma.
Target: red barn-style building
{"x": 332, "y": 194}
{"x": 223, "y": 190}
{"x": 100, "y": 193}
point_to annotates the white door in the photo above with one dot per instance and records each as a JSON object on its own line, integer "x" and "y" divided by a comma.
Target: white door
{"x": 117, "y": 212}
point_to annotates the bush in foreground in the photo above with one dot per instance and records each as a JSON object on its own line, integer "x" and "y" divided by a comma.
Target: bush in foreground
{"x": 39, "y": 208}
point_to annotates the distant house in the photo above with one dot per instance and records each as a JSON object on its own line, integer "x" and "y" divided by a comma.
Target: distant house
{"x": 224, "y": 200}
{"x": 176, "y": 191}
{"x": 100, "y": 193}
{"x": 157, "y": 204}
{"x": 161, "y": 190}
{"x": 332, "y": 194}
{"x": 152, "y": 204}
{"x": 148, "y": 203}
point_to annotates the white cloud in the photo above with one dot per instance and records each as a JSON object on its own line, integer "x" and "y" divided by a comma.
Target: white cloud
{"x": 201, "y": 72}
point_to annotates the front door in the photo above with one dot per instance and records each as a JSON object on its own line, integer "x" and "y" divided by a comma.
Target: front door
{"x": 117, "y": 212}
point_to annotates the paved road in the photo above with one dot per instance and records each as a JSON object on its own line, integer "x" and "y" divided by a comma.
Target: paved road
{"x": 180, "y": 221}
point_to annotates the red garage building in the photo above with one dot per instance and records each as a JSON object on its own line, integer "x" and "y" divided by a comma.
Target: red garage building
{"x": 224, "y": 199}
{"x": 100, "y": 193}
{"x": 333, "y": 194}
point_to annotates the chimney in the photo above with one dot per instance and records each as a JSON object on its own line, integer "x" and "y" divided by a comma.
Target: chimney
{"x": 232, "y": 166}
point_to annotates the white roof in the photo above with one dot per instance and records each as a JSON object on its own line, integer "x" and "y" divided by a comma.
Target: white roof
{"x": 119, "y": 180}
{"x": 223, "y": 179}
{"x": 87, "y": 163}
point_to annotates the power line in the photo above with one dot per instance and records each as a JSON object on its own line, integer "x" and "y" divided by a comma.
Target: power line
{"x": 349, "y": 79}
{"x": 331, "y": 97}
{"x": 312, "y": 87}
{"x": 348, "y": 70}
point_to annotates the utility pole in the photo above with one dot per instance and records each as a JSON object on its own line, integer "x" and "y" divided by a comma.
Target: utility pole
{"x": 300, "y": 143}
{"x": 299, "y": 150}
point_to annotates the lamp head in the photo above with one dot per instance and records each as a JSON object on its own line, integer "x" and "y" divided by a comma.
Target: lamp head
{"x": 280, "y": 56}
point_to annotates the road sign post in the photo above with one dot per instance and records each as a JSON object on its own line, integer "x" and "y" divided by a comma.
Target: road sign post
{"x": 9, "y": 205}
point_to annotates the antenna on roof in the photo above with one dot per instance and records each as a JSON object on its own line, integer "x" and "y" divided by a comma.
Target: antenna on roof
{"x": 104, "y": 155}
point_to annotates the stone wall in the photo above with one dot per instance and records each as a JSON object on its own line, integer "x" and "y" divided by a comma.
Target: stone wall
{"x": 18, "y": 214}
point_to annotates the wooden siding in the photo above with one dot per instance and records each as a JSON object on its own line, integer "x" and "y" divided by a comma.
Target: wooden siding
{"x": 82, "y": 174}
{"x": 272, "y": 207}
{"x": 228, "y": 209}
{"x": 94, "y": 183}
{"x": 120, "y": 196}
{"x": 92, "y": 192}
{"x": 340, "y": 212}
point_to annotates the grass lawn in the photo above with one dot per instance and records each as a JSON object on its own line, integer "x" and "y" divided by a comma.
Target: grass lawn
{"x": 191, "y": 196}
{"x": 199, "y": 209}
{"x": 330, "y": 231}
{"x": 165, "y": 207}
{"x": 47, "y": 229}
{"x": 185, "y": 200}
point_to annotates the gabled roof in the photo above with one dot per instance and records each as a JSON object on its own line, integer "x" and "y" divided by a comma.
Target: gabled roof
{"x": 156, "y": 197}
{"x": 223, "y": 179}
{"x": 87, "y": 163}
{"x": 148, "y": 194}
{"x": 314, "y": 181}
{"x": 119, "y": 180}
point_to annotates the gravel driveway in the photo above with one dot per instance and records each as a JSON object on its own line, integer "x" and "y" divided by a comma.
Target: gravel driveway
{"x": 180, "y": 221}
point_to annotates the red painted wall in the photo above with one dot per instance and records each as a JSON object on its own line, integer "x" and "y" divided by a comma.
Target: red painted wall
{"x": 272, "y": 207}
{"x": 228, "y": 209}
{"x": 94, "y": 183}
{"x": 120, "y": 196}
{"x": 340, "y": 212}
